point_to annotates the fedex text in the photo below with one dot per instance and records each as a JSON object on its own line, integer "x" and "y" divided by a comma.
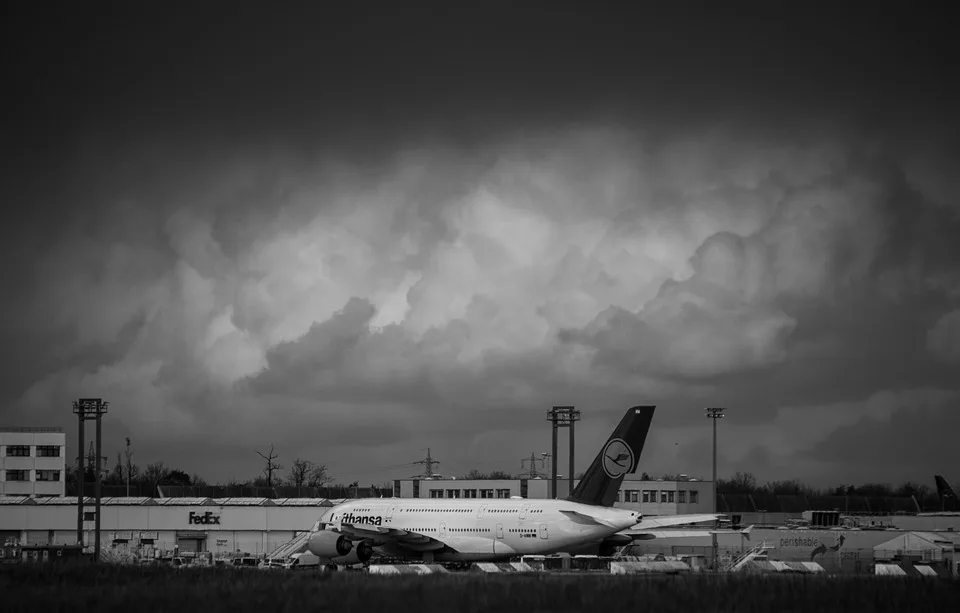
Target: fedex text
{"x": 204, "y": 518}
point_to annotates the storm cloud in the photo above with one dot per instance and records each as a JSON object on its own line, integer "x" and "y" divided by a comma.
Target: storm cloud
{"x": 355, "y": 267}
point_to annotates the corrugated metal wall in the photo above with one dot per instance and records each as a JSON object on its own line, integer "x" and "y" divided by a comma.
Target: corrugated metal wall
{"x": 39, "y": 537}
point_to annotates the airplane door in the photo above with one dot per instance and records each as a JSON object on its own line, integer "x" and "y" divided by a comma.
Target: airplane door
{"x": 523, "y": 512}
{"x": 500, "y": 531}
{"x": 481, "y": 511}
{"x": 542, "y": 528}
{"x": 390, "y": 513}
{"x": 443, "y": 531}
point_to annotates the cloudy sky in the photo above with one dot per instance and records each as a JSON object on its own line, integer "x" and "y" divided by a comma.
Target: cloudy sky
{"x": 356, "y": 236}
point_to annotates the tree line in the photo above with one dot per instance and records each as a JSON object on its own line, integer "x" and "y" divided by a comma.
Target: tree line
{"x": 144, "y": 481}
{"x": 304, "y": 473}
{"x": 746, "y": 483}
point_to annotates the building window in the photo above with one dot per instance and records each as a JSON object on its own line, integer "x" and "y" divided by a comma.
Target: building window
{"x": 682, "y": 496}
{"x": 663, "y": 495}
{"x": 646, "y": 495}
{"x": 48, "y": 451}
{"x": 503, "y": 493}
{"x": 433, "y": 493}
{"x": 48, "y": 475}
{"x": 670, "y": 496}
{"x": 19, "y": 451}
{"x": 694, "y": 495}
{"x": 17, "y": 475}
{"x": 453, "y": 493}
{"x": 486, "y": 493}
{"x": 469, "y": 493}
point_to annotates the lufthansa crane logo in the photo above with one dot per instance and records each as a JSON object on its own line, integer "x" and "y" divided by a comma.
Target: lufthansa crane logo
{"x": 617, "y": 458}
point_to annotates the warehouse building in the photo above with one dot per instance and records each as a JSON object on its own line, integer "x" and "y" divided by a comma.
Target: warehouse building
{"x": 32, "y": 461}
{"x": 185, "y": 525}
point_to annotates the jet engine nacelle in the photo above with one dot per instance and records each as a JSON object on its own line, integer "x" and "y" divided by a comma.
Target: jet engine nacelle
{"x": 326, "y": 545}
{"x": 360, "y": 554}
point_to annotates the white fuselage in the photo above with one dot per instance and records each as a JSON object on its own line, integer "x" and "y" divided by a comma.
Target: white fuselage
{"x": 483, "y": 529}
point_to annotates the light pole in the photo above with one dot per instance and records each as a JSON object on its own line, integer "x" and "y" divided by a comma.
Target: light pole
{"x": 715, "y": 413}
{"x": 128, "y": 466}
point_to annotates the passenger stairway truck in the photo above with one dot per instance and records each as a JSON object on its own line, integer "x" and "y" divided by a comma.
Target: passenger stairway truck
{"x": 747, "y": 557}
{"x": 283, "y": 552}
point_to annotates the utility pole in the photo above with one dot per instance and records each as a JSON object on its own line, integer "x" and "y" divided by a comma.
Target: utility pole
{"x": 715, "y": 414}
{"x": 546, "y": 459}
{"x": 129, "y": 455}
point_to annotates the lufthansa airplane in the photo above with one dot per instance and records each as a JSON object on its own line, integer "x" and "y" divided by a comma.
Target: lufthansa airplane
{"x": 475, "y": 530}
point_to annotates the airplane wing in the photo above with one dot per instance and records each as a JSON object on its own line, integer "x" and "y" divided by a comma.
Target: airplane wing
{"x": 378, "y": 535}
{"x": 672, "y": 520}
{"x": 662, "y": 534}
{"x": 583, "y": 518}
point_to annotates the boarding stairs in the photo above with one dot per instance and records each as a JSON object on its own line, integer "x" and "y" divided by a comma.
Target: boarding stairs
{"x": 297, "y": 545}
{"x": 746, "y": 557}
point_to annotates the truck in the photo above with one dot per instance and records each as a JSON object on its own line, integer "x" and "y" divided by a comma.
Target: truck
{"x": 301, "y": 561}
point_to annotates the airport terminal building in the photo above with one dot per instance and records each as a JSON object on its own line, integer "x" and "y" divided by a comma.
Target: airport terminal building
{"x": 658, "y": 497}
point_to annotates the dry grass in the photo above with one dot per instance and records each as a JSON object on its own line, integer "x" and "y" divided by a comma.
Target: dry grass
{"x": 50, "y": 588}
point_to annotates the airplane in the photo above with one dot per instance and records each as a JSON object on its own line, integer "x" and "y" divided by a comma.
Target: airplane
{"x": 487, "y": 530}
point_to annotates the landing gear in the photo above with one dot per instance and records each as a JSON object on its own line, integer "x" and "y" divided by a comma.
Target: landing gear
{"x": 331, "y": 568}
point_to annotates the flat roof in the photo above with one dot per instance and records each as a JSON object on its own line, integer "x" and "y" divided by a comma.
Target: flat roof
{"x": 30, "y": 429}
{"x": 192, "y": 502}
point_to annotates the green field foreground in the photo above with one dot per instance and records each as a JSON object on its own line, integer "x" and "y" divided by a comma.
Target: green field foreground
{"x": 50, "y": 588}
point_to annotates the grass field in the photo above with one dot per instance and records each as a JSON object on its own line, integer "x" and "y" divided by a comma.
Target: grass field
{"x": 50, "y": 588}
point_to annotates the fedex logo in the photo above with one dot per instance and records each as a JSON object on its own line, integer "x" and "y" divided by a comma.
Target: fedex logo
{"x": 370, "y": 520}
{"x": 206, "y": 518}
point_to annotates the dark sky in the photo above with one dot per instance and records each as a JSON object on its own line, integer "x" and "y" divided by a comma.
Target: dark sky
{"x": 358, "y": 235}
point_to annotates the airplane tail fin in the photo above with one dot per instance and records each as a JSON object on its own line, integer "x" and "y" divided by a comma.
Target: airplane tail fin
{"x": 943, "y": 489}
{"x": 619, "y": 456}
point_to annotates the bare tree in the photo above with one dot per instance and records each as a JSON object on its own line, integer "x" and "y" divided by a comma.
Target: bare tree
{"x": 270, "y": 468}
{"x": 300, "y": 472}
{"x": 154, "y": 474}
{"x": 319, "y": 477}
{"x": 116, "y": 476}
{"x": 741, "y": 483}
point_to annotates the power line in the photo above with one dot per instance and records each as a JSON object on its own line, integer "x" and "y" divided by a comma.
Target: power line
{"x": 533, "y": 459}
{"x": 428, "y": 463}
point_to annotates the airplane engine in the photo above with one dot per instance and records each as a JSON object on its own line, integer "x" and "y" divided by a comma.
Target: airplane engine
{"x": 360, "y": 554}
{"x": 325, "y": 545}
